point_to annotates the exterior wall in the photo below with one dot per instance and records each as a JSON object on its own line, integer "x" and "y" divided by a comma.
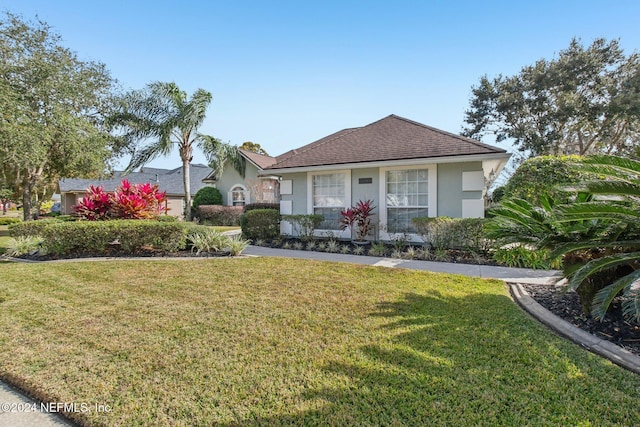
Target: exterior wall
{"x": 447, "y": 189}
{"x": 67, "y": 201}
{"x": 450, "y": 193}
{"x": 298, "y": 195}
{"x": 175, "y": 207}
{"x": 230, "y": 178}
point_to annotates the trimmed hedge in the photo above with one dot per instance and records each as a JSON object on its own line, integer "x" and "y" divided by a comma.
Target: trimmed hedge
{"x": 260, "y": 224}
{"x": 254, "y": 206}
{"x": 220, "y": 215}
{"x": 104, "y": 237}
{"x": 453, "y": 233}
{"x": 31, "y": 228}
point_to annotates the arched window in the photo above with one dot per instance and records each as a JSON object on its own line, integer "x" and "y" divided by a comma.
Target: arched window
{"x": 238, "y": 196}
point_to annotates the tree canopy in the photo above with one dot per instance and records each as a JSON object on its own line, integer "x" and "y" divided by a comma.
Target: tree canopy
{"x": 585, "y": 101}
{"x": 53, "y": 108}
{"x": 252, "y": 146}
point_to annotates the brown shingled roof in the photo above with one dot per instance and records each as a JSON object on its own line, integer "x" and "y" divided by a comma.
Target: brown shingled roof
{"x": 260, "y": 160}
{"x": 391, "y": 138}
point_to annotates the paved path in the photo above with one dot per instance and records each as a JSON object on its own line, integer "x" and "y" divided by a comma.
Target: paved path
{"x": 8, "y": 395}
{"x": 486, "y": 271}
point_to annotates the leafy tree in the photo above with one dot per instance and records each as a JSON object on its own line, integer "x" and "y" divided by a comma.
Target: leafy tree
{"x": 53, "y": 107}
{"x": 544, "y": 176}
{"x": 252, "y": 146}
{"x": 583, "y": 102}
{"x": 161, "y": 115}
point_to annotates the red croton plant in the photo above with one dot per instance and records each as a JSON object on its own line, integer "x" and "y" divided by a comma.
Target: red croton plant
{"x": 358, "y": 216}
{"x": 129, "y": 201}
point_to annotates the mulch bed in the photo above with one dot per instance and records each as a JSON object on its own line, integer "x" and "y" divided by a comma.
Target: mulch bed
{"x": 614, "y": 327}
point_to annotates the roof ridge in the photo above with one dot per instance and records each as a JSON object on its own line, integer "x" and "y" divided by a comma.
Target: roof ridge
{"x": 315, "y": 144}
{"x": 444, "y": 132}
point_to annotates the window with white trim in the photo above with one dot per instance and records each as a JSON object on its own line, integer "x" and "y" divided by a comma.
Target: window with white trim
{"x": 329, "y": 198}
{"x": 407, "y": 197}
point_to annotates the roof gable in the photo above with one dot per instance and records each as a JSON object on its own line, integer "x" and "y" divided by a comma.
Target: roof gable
{"x": 391, "y": 138}
{"x": 262, "y": 161}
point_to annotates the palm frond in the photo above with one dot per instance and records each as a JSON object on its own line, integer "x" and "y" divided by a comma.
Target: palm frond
{"x": 603, "y": 298}
{"x": 219, "y": 153}
{"x": 569, "y": 247}
{"x": 614, "y": 188}
{"x": 141, "y": 158}
{"x": 601, "y": 264}
{"x": 596, "y": 210}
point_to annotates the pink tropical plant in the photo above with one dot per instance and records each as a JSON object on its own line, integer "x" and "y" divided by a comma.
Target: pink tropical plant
{"x": 129, "y": 201}
{"x": 358, "y": 216}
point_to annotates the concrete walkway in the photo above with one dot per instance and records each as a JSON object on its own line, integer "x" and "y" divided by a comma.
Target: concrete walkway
{"x": 486, "y": 271}
{"x": 513, "y": 276}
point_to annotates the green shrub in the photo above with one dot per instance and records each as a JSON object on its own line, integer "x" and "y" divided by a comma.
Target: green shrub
{"x": 236, "y": 245}
{"x": 207, "y": 240}
{"x": 23, "y": 245}
{"x": 7, "y": 221}
{"x": 31, "y": 228}
{"x": 260, "y": 224}
{"x": 220, "y": 215}
{"x": 304, "y": 225}
{"x": 453, "y": 233}
{"x": 521, "y": 256}
{"x": 254, "y": 206}
{"x": 104, "y": 237}
{"x": 207, "y": 196}
{"x": 167, "y": 218}
{"x": 544, "y": 175}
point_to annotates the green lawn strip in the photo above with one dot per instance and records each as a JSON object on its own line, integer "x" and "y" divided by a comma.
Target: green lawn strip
{"x": 223, "y": 228}
{"x": 259, "y": 341}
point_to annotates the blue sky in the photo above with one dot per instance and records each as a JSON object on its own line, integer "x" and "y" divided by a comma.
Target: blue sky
{"x": 285, "y": 73}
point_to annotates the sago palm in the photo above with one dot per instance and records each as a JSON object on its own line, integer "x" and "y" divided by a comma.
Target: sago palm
{"x": 615, "y": 211}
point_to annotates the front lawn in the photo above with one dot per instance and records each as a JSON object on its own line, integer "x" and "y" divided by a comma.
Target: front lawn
{"x": 255, "y": 341}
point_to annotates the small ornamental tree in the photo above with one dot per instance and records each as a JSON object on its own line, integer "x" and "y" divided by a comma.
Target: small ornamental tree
{"x": 129, "y": 201}
{"x": 359, "y": 217}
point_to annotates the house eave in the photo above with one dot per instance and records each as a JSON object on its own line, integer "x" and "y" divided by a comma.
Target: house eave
{"x": 391, "y": 163}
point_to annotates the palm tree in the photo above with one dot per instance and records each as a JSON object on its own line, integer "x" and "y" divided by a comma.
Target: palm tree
{"x": 160, "y": 116}
{"x": 598, "y": 233}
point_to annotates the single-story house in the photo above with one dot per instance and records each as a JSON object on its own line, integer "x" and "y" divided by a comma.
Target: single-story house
{"x": 256, "y": 186}
{"x": 169, "y": 180}
{"x": 408, "y": 169}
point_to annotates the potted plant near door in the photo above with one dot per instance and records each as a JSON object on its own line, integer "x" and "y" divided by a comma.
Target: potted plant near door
{"x": 358, "y": 219}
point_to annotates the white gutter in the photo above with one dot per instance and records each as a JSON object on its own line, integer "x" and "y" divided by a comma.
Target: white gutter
{"x": 388, "y": 163}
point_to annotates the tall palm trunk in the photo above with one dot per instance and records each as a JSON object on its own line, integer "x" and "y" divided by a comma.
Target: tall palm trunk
{"x": 186, "y": 154}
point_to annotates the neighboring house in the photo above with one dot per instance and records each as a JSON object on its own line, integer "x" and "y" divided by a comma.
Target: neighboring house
{"x": 171, "y": 181}
{"x": 257, "y": 185}
{"x": 407, "y": 169}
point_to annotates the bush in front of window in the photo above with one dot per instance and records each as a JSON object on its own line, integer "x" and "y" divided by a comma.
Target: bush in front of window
{"x": 304, "y": 225}
{"x": 260, "y": 224}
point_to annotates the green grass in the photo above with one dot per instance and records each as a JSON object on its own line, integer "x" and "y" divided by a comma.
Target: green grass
{"x": 223, "y": 228}
{"x": 254, "y": 341}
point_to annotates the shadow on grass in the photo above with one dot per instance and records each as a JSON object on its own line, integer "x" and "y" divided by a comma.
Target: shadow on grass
{"x": 458, "y": 361}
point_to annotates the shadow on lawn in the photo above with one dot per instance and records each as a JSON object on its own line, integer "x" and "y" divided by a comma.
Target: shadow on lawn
{"x": 448, "y": 360}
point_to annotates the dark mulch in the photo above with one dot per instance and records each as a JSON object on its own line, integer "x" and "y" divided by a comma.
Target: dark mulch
{"x": 147, "y": 253}
{"x": 614, "y": 327}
